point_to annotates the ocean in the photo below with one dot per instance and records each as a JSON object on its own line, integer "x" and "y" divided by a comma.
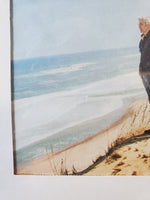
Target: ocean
{"x": 59, "y": 100}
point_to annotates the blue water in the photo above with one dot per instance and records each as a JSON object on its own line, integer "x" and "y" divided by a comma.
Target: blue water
{"x": 57, "y": 103}
{"x": 29, "y": 80}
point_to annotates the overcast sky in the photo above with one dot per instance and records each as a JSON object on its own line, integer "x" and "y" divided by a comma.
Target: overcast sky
{"x": 50, "y": 27}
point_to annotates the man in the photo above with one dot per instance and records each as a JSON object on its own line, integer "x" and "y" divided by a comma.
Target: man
{"x": 144, "y": 47}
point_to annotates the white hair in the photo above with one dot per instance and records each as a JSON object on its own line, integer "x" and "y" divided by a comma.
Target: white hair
{"x": 145, "y": 20}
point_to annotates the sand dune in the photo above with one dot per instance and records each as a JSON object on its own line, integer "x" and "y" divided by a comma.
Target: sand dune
{"x": 80, "y": 156}
{"x": 130, "y": 158}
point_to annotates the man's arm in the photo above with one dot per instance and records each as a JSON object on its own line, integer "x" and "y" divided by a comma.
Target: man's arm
{"x": 145, "y": 56}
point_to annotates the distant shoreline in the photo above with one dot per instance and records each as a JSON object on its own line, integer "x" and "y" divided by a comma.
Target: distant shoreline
{"x": 74, "y": 53}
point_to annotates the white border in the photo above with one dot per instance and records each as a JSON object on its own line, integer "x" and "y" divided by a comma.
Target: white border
{"x": 47, "y": 187}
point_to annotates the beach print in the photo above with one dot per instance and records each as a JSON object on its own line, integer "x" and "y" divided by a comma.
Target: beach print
{"x": 77, "y": 97}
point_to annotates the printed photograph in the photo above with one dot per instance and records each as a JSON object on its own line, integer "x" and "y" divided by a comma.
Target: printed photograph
{"x": 80, "y": 83}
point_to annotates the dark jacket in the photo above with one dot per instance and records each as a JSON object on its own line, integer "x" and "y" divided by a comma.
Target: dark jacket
{"x": 144, "y": 47}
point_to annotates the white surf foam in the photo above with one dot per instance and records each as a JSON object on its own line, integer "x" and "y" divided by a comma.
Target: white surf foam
{"x": 60, "y": 70}
{"x": 42, "y": 116}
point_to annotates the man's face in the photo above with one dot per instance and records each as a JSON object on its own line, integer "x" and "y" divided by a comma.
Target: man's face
{"x": 142, "y": 27}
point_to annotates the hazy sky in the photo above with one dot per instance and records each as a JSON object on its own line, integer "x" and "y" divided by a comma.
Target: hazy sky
{"x": 50, "y": 27}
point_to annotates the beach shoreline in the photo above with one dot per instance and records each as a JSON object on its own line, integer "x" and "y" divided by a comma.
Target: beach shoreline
{"x": 93, "y": 147}
{"x": 97, "y": 124}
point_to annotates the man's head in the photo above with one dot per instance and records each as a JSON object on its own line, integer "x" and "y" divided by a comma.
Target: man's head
{"x": 144, "y": 24}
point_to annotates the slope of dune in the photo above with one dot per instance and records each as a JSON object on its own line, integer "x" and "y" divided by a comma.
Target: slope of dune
{"x": 130, "y": 158}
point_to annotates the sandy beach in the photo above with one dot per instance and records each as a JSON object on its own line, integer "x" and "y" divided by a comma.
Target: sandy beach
{"x": 130, "y": 158}
{"x": 79, "y": 157}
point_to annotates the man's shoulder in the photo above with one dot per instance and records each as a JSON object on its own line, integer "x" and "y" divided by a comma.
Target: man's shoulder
{"x": 147, "y": 37}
